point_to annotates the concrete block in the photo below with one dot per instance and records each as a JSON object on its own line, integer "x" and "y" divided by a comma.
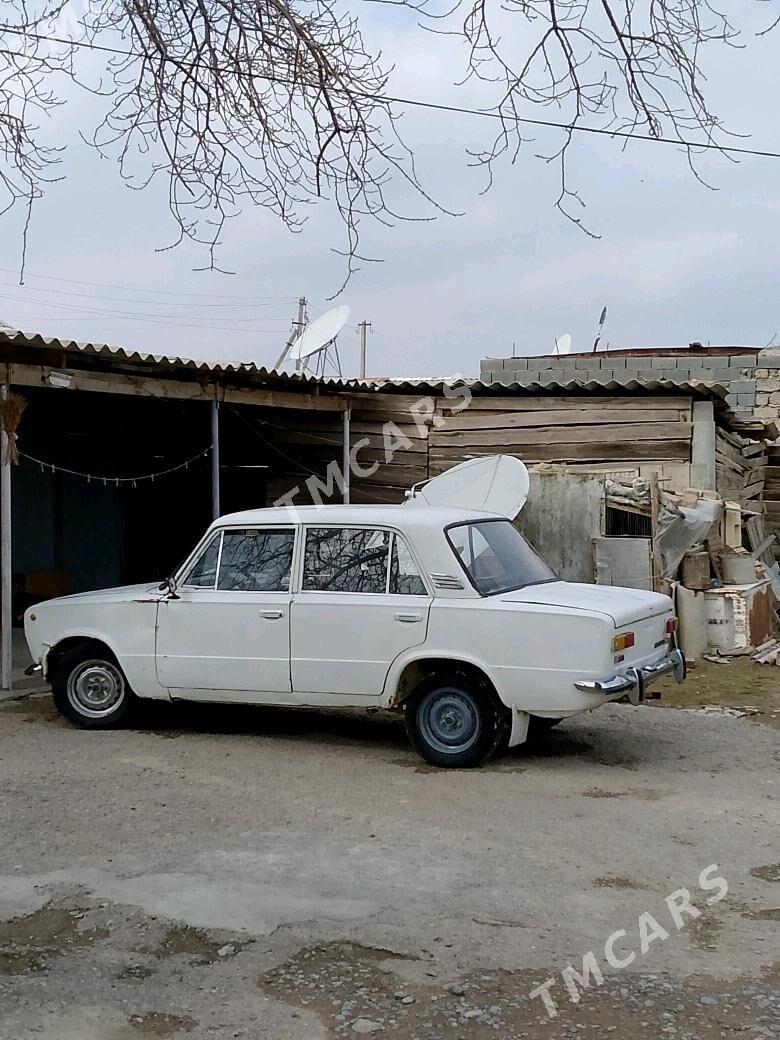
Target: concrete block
{"x": 548, "y": 376}
{"x": 614, "y": 362}
{"x": 662, "y": 362}
{"x": 493, "y": 375}
{"x": 630, "y": 373}
{"x": 567, "y": 374}
{"x": 715, "y": 361}
{"x": 531, "y": 375}
{"x": 742, "y": 386}
{"x": 591, "y": 362}
{"x": 731, "y": 400}
{"x": 743, "y": 361}
{"x": 516, "y": 364}
{"x": 746, "y": 400}
{"x": 770, "y": 361}
{"x": 693, "y": 363}
{"x": 648, "y": 373}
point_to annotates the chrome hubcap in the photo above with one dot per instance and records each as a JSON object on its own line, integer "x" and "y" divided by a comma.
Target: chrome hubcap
{"x": 95, "y": 688}
{"x": 449, "y": 720}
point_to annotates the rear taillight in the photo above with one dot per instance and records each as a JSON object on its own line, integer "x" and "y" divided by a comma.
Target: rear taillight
{"x": 623, "y": 642}
{"x": 671, "y": 626}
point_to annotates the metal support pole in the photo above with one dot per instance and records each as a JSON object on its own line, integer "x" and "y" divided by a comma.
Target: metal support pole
{"x": 345, "y": 453}
{"x": 6, "y": 616}
{"x": 364, "y": 326}
{"x": 215, "y": 509}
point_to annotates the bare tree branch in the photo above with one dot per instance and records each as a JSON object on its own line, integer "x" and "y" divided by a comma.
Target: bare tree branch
{"x": 280, "y": 103}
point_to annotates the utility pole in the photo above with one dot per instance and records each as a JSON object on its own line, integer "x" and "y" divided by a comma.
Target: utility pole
{"x": 364, "y": 326}
{"x": 298, "y": 326}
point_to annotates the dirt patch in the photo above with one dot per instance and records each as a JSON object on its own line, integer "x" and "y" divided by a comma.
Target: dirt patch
{"x": 37, "y": 708}
{"x": 770, "y": 914}
{"x": 769, "y": 872}
{"x": 703, "y": 932}
{"x": 134, "y": 971}
{"x": 645, "y": 794}
{"x": 192, "y": 943}
{"x": 28, "y": 943}
{"x": 737, "y": 683}
{"x": 617, "y": 882}
{"x": 353, "y": 990}
{"x": 161, "y": 1024}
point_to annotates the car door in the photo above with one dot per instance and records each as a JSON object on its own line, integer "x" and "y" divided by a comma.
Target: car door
{"x": 362, "y": 602}
{"x": 227, "y": 629}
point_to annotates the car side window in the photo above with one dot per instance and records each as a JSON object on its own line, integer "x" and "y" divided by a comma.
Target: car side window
{"x": 345, "y": 559}
{"x": 405, "y": 578}
{"x": 203, "y": 573}
{"x": 256, "y": 560}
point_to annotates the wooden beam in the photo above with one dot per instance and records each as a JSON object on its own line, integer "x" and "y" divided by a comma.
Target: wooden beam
{"x": 618, "y": 434}
{"x": 178, "y": 389}
{"x": 555, "y": 417}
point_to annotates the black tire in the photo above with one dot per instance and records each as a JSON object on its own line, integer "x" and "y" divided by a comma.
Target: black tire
{"x": 453, "y": 721}
{"x": 90, "y": 688}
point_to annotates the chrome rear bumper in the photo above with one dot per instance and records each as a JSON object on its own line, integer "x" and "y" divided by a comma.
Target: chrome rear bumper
{"x": 635, "y": 681}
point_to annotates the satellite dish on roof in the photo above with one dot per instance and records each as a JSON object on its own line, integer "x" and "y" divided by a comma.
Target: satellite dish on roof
{"x": 563, "y": 344}
{"x": 320, "y": 333}
{"x": 494, "y": 484}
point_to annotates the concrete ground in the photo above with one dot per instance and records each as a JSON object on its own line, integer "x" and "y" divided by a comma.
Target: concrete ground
{"x": 263, "y": 873}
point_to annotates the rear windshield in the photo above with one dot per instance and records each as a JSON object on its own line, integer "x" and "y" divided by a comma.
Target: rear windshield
{"x": 496, "y": 557}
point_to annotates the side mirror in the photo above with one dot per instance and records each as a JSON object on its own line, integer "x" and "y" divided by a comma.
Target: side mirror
{"x": 169, "y": 587}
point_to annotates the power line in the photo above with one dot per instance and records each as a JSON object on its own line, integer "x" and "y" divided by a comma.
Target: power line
{"x": 154, "y": 319}
{"x": 435, "y": 106}
{"x": 157, "y": 292}
{"x": 117, "y": 299}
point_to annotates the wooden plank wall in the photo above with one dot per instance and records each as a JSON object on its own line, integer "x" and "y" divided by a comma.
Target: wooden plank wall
{"x": 740, "y": 467}
{"x": 584, "y": 431}
{"x": 320, "y": 442}
{"x": 772, "y": 497}
{"x": 565, "y": 429}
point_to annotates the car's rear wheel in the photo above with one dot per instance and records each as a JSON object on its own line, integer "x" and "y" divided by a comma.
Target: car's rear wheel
{"x": 452, "y": 721}
{"x": 90, "y": 688}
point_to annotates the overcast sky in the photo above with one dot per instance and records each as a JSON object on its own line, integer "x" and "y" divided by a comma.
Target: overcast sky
{"x": 675, "y": 261}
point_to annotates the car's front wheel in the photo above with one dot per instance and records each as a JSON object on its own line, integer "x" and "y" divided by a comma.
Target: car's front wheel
{"x": 90, "y": 688}
{"x": 452, "y": 721}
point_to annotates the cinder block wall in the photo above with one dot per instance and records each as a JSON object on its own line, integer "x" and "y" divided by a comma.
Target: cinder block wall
{"x": 753, "y": 380}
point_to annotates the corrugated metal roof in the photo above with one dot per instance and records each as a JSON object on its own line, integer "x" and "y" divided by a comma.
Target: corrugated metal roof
{"x": 168, "y": 363}
{"x": 261, "y": 373}
{"x": 697, "y": 387}
{"x": 251, "y": 373}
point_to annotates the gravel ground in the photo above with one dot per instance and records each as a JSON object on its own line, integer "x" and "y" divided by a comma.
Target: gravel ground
{"x": 246, "y": 873}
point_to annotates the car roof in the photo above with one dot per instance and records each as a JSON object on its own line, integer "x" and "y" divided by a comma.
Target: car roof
{"x": 380, "y": 515}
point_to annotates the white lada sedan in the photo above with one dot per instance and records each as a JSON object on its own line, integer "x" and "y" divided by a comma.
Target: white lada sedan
{"x": 445, "y": 614}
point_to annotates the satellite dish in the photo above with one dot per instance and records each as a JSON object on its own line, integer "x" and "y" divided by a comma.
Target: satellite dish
{"x": 317, "y": 335}
{"x": 563, "y": 344}
{"x": 493, "y": 484}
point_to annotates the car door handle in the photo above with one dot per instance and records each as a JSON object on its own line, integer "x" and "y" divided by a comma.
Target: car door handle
{"x": 273, "y": 615}
{"x": 408, "y": 617}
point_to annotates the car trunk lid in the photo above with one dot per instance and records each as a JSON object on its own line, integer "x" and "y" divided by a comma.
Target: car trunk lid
{"x": 631, "y": 610}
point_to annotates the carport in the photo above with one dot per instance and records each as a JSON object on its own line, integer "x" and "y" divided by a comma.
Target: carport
{"x": 122, "y": 459}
